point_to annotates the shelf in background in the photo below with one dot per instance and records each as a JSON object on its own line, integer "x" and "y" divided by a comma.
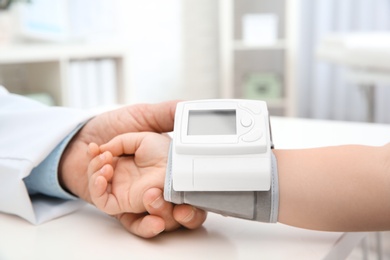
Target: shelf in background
{"x": 49, "y": 52}
{"x": 276, "y": 103}
{"x": 82, "y": 75}
{"x": 239, "y": 45}
{"x": 241, "y": 55}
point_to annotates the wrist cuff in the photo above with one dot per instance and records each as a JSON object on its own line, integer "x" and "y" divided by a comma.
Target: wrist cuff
{"x": 260, "y": 206}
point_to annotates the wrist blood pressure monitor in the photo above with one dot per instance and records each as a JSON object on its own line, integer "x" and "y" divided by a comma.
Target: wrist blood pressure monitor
{"x": 221, "y": 159}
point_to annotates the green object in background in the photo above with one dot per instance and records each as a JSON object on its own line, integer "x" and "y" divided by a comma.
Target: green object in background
{"x": 263, "y": 86}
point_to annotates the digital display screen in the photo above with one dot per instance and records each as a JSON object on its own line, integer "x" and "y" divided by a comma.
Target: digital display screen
{"x": 212, "y": 122}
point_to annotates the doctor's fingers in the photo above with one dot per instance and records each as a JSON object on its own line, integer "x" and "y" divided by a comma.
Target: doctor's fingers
{"x": 125, "y": 143}
{"x": 149, "y": 117}
{"x": 189, "y": 216}
{"x": 143, "y": 225}
{"x": 156, "y": 205}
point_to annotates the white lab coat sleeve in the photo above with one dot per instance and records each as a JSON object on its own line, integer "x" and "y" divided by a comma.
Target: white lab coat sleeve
{"x": 29, "y": 132}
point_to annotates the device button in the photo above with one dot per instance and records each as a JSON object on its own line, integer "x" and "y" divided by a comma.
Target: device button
{"x": 252, "y": 136}
{"x": 254, "y": 107}
{"x": 246, "y": 121}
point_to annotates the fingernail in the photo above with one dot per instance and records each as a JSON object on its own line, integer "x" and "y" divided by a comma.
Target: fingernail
{"x": 190, "y": 216}
{"x": 156, "y": 232}
{"x": 157, "y": 203}
{"x": 102, "y": 156}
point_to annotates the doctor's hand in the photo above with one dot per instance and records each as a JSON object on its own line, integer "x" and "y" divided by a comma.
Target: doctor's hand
{"x": 74, "y": 162}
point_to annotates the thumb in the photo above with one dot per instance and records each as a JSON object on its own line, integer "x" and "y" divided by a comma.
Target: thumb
{"x": 124, "y": 144}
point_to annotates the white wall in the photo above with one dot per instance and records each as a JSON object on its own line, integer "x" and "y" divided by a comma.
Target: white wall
{"x": 174, "y": 48}
{"x": 200, "y": 41}
{"x": 152, "y": 29}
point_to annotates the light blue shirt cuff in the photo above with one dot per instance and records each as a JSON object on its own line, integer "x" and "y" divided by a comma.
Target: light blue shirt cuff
{"x": 43, "y": 179}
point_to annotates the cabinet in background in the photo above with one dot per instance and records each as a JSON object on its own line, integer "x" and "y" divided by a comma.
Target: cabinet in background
{"x": 75, "y": 75}
{"x": 259, "y": 67}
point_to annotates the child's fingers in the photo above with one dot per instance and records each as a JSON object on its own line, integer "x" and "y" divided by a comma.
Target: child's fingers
{"x": 98, "y": 161}
{"x": 125, "y": 143}
{"x": 99, "y": 189}
{"x": 99, "y": 181}
{"x": 100, "y": 173}
{"x": 93, "y": 149}
{"x": 156, "y": 205}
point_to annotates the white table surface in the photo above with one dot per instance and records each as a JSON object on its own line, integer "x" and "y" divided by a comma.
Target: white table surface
{"x": 89, "y": 234}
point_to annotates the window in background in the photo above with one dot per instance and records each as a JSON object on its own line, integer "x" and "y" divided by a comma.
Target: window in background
{"x": 323, "y": 89}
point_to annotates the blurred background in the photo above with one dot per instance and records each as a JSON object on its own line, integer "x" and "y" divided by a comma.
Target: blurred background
{"x": 326, "y": 59}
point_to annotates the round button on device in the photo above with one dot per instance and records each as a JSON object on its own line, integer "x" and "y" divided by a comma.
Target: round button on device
{"x": 246, "y": 121}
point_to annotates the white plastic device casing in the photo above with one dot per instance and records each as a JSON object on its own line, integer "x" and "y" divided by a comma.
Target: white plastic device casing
{"x": 221, "y": 145}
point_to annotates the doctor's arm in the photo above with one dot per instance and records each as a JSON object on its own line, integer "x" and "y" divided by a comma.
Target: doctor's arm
{"x": 45, "y": 150}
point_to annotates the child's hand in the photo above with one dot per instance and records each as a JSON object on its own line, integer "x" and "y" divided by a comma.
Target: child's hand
{"x": 128, "y": 165}
{"x": 126, "y": 177}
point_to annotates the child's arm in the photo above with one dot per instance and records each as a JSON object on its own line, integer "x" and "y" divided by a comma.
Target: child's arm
{"x": 342, "y": 188}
